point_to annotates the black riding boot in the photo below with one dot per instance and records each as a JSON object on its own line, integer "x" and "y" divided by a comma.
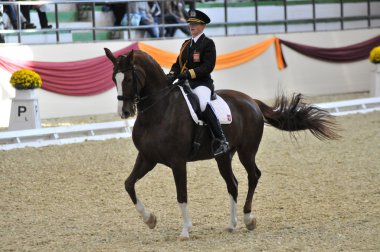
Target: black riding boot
{"x": 216, "y": 129}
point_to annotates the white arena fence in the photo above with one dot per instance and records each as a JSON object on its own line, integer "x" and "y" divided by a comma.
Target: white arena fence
{"x": 123, "y": 129}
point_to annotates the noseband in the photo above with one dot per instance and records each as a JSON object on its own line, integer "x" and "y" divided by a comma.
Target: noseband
{"x": 136, "y": 97}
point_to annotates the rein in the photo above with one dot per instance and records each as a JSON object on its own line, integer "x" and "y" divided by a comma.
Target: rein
{"x": 136, "y": 99}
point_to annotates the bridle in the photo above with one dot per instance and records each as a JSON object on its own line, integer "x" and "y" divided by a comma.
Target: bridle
{"x": 136, "y": 98}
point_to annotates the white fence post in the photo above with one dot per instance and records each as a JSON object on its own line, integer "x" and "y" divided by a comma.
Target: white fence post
{"x": 374, "y": 88}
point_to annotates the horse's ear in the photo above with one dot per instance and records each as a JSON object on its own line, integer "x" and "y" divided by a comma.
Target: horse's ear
{"x": 110, "y": 55}
{"x": 130, "y": 56}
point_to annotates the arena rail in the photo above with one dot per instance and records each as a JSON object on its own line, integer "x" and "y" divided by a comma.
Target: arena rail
{"x": 65, "y": 134}
{"x": 340, "y": 108}
{"x": 123, "y": 129}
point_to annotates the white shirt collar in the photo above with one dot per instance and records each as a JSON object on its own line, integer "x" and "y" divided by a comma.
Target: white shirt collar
{"x": 197, "y": 37}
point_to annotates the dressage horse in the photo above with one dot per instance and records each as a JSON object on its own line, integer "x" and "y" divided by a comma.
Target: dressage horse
{"x": 164, "y": 131}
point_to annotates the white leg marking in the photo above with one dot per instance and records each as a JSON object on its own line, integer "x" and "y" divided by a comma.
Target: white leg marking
{"x": 119, "y": 77}
{"x": 233, "y": 215}
{"x": 247, "y": 218}
{"x": 187, "y": 225}
{"x": 250, "y": 221}
{"x": 145, "y": 214}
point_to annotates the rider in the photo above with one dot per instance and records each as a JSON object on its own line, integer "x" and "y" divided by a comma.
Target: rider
{"x": 195, "y": 63}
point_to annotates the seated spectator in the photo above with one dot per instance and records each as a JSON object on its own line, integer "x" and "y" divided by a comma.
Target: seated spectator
{"x": 142, "y": 9}
{"x": 119, "y": 11}
{"x": 155, "y": 10}
{"x": 175, "y": 13}
{"x": 11, "y": 12}
{"x": 2, "y": 40}
{"x": 41, "y": 11}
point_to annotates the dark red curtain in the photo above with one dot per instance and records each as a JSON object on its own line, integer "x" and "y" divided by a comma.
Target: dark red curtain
{"x": 84, "y": 77}
{"x": 345, "y": 54}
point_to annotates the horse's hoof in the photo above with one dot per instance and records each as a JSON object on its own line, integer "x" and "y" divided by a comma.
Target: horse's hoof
{"x": 230, "y": 230}
{"x": 183, "y": 238}
{"x": 152, "y": 221}
{"x": 251, "y": 225}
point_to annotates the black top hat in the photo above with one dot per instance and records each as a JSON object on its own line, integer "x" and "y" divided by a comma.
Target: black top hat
{"x": 198, "y": 17}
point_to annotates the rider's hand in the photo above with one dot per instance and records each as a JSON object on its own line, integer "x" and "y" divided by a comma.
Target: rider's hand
{"x": 184, "y": 76}
{"x": 171, "y": 78}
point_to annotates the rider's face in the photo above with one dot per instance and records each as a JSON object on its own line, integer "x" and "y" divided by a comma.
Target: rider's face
{"x": 196, "y": 28}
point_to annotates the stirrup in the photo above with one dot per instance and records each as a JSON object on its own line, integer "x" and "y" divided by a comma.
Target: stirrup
{"x": 222, "y": 148}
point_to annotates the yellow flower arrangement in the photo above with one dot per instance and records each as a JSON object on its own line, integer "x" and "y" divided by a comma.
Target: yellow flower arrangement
{"x": 374, "y": 55}
{"x": 26, "y": 79}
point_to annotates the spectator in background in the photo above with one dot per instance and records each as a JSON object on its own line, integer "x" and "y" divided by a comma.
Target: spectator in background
{"x": 143, "y": 10}
{"x": 119, "y": 11}
{"x": 175, "y": 13}
{"x": 11, "y": 12}
{"x": 155, "y": 10}
{"x": 41, "y": 11}
{"x": 2, "y": 40}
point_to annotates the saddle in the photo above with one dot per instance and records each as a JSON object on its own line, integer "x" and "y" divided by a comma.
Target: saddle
{"x": 221, "y": 108}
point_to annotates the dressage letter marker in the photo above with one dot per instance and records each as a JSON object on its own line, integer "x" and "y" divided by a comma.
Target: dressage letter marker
{"x": 21, "y": 109}
{"x": 24, "y": 111}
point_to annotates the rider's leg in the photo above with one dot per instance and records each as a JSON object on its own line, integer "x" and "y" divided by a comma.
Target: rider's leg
{"x": 214, "y": 124}
{"x": 204, "y": 95}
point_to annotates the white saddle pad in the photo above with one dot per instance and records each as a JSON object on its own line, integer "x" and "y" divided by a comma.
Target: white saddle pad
{"x": 221, "y": 109}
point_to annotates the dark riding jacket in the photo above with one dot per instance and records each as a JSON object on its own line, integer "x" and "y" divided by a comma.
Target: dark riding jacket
{"x": 199, "y": 60}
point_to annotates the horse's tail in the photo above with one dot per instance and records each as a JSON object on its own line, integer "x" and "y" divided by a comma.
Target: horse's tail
{"x": 294, "y": 115}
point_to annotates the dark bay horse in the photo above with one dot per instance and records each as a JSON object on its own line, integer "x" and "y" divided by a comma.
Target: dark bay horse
{"x": 164, "y": 130}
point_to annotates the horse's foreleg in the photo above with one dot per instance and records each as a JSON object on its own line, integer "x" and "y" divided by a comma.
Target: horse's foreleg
{"x": 180, "y": 178}
{"x": 140, "y": 169}
{"x": 225, "y": 169}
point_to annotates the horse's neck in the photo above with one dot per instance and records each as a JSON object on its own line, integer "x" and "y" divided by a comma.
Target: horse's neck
{"x": 157, "y": 100}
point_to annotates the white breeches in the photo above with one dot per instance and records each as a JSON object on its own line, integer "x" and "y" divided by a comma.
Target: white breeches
{"x": 204, "y": 96}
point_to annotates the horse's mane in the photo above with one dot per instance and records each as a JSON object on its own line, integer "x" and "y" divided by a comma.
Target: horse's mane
{"x": 150, "y": 60}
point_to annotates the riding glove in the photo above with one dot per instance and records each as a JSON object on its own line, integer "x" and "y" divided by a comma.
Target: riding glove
{"x": 171, "y": 78}
{"x": 184, "y": 76}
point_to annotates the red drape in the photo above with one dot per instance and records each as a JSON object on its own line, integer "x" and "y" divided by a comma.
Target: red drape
{"x": 84, "y": 77}
{"x": 350, "y": 53}
{"x": 93, "y": 76}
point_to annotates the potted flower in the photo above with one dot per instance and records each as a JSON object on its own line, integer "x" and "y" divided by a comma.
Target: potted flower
{"x": 374, "y": 57}
{"x": 25, "y": 81}
{"x": 24, "y": 109}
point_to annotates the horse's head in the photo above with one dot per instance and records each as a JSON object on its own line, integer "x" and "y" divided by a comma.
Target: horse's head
{"x": 129, "y": 80}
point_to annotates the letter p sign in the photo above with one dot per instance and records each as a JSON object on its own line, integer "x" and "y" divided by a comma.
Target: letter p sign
{"x": 21, "y": 109}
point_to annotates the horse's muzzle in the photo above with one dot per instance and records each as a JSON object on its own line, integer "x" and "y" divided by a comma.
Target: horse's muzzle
{"x": 124, "y": 116}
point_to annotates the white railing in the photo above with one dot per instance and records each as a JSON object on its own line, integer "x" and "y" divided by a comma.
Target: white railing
{"x": 65, "y": 134}
{"x": 123, "y": 129}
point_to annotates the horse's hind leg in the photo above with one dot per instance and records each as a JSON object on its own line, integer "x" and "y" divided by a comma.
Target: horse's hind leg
{"x": 140, "y": 169}
{"x": 225, "y": 169}
{"x": 254, "y": 174}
